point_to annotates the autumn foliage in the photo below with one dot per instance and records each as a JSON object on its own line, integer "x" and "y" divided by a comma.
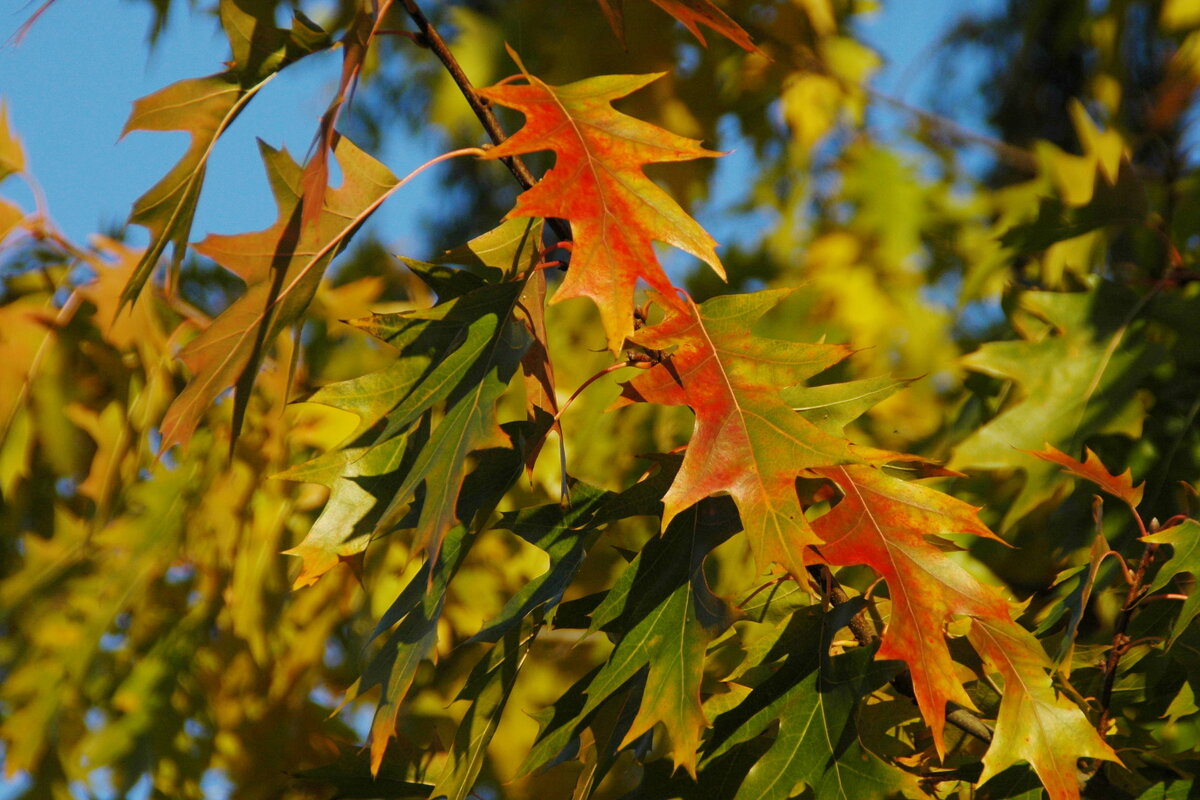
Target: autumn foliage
{"x": 548, "y": 515}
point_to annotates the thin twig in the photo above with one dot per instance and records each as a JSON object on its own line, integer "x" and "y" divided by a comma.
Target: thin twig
{"x": 864, "y": 633}
{"x": 1013, "y": 156}
{"x": 1120, "y": 640}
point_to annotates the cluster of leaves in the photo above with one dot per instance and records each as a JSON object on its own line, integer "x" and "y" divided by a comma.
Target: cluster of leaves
{"x": 733, "y": 581}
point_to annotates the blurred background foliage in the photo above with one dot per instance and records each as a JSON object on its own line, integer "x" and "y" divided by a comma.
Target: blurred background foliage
{"x": 1038, "y": 280}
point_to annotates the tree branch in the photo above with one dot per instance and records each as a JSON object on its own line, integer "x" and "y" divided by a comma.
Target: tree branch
{"x": 434, "y": 41}
{"x": 1120, "y": 639}
{"x": 864, "y": 633}
{"x": 430, "y": 38}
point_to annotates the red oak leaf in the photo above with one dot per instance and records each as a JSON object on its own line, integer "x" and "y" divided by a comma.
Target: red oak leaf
{"x": 747, "y": 442}
{"x": 689, "y": 12}
{"x": 884, "y": 523}
{"x": 597, "y": 183}
{"x": 1092, "y": 469}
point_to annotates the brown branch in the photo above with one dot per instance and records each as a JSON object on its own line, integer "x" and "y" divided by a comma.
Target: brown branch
{"x": 860, "y": 624}
{"x": 864, "y": 633}
{"x": 434, "y": 41}
{"x": 429, "y": 37}
{"x": 1120, "y": 640}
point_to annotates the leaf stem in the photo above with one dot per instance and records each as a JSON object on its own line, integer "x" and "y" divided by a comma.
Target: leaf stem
{"x": 1164, "y": 596}
{"x": 607, "y": 370}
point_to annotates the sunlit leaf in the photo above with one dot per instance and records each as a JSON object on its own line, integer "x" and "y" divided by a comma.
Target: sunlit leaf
{"x": 12, "y": 154}
{"x": 204, "y": 108}
{"x": 1092, "y": 469}
{"x": 597, "y": 184}
{"x": 1036, "y": 724}
{"x": 1184, "y": 540}
{"x": 747, "y": 441}
{"x": 282, "y": 267}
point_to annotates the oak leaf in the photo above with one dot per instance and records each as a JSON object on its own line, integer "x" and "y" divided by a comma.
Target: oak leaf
{"x": 691, "y": 13}
{"x": 883, "y": 522}
{"x": 12, "y": 162}
{"x": 1184, "y": 540}
{"x": 817, "y": 698}
{"x": 1035, "y": 724}
{"x": 12, "y": 154}
{"x": 1076, "y": 369}
{"x": 411, "y": 622}
{"x": 1092, "y": 469}
{"x": 398, "y": 468}
{"x": 204, "y": 108}
{"x": 747, "y": 440}
{"x": 665, "y": 615}
{"x": 597, "y": 183}
{"x": 282, "y": 267}
{"x": 565, "y": 533}
{"x": 354, "y": 46}
{"x": 513, "y": 249}
{"x": 886, "y": 523}
{"x": 488, "y": 688}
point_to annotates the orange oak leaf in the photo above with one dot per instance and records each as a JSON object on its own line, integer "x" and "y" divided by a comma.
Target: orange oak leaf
{"x": 1092, "y": 469}
{"x": 885, "y": 523}
{"x": 282, "y": 267}
{"x": 689, "y": 12}
{"x": 315, "y": 181}
{"x": 597, "y": 183}
{"x": 747, "y": 441}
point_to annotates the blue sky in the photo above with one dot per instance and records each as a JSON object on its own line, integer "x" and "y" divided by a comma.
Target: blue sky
{"x": 69, "y": 84}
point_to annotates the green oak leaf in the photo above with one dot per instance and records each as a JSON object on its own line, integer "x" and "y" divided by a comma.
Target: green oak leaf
{"x": 204, "y": 108}
{"x": 664, "y": 615}
{"x": 488, "y": 688}
{"x": 831, "y": 407}
{"x": 422, "y": 416}
{"x": 1076, "y": 369}
{"x": 1184, "y": 540}
{"x": 1122, "y": 202}
{"x": 415, "y": 614}
{"x": 565, "y": 534}
{"x": 816, "y": 698}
